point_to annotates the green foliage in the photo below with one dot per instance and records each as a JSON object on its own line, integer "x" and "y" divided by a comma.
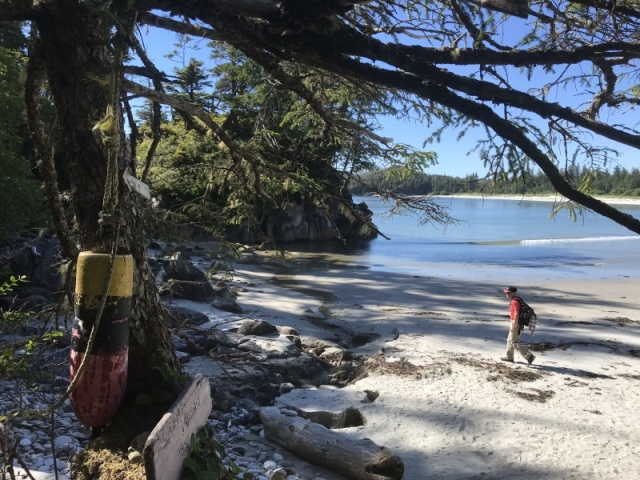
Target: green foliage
{"x": 13, "y": 281}
{"x": 17, "y": 357}
{"x": 191, "y": 80}
{"x": 227, "y": 252}
{"x": 300, "y": 131}
{"x": 290, "y": 155}
{"x": 573, "y": 210}
{"x": 23, "y": 202}
{"x": 205, "y": 460}
{"x": 184, "y": 164}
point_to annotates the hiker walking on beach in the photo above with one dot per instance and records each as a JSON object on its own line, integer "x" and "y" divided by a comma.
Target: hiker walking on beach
{"x": 516, "y": 329}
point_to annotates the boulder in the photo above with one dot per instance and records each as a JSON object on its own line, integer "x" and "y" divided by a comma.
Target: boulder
{"x": 185, "y": 281}
{"x": 225, "y": 299}
{"x": 256, "y": 327}
{"x": 186, "y": 317}
{"x": 227, "y": 305}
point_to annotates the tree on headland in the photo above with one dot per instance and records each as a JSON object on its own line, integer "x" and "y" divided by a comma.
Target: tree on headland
{"x": 288, "y": 145}
{"x": 449, "y": 64}
{"x": 455, "y": 65}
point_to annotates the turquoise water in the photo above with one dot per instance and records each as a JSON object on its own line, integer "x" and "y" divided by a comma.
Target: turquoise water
{"x": 495, "y": 239}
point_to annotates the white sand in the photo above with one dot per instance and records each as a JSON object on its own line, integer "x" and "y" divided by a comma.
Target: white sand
{"x": 547, "y": 198}
{"x": 464, "y": 414}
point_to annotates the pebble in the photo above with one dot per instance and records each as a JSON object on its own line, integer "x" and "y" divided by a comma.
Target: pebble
{"x": 269, "y": 465}
{"x": 34, "y": 440}
{"x": 236, "y": 431}
{"x": 25, "y": 442}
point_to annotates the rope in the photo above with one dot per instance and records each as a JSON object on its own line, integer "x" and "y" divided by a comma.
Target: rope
{"x": 109, "y": 129}
{"x": 110, "y": 219}
{"x": 92, "y": 335}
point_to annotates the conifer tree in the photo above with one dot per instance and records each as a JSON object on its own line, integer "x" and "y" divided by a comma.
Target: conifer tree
{"x": 447, "y": 64}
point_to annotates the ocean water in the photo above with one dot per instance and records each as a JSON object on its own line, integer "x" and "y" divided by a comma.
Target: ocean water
{"x": 495, "y": 239}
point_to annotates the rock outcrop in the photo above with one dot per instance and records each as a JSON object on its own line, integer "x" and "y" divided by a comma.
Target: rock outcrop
{"x": 306, "y": 223}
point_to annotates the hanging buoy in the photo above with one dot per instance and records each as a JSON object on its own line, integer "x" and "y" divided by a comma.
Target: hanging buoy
{"x": 100, "y": 389}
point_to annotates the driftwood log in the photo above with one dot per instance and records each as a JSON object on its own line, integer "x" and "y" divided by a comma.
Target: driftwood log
{"x": 353, "y": 459}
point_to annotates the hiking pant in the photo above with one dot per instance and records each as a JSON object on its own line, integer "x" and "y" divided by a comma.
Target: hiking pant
{"x": 513, "y": 344}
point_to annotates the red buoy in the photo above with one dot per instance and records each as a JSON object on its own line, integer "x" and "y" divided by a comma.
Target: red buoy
{"x": 99, "y": 391}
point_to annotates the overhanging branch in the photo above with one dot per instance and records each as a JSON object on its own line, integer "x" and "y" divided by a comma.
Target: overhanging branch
{"x": 484, "y": 114}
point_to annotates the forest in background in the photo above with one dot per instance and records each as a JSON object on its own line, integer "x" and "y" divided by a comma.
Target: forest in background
{"x": 618, "y": 182}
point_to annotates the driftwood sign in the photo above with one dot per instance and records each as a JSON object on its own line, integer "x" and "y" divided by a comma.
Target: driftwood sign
{"x": 168, "y": 445}
{"x": 353, "y": 459}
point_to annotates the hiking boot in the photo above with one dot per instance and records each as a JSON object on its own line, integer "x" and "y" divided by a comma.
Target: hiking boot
{"x": 530, "y": 358}
{"x": 507, "y": 359}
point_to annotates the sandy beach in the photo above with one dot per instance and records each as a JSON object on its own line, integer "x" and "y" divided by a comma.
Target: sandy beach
{"x": 547, "y": 198}
{"x": 457, "y": 412}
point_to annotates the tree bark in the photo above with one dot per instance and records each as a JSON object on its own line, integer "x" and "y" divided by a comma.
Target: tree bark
{"x": 77, "y": 67}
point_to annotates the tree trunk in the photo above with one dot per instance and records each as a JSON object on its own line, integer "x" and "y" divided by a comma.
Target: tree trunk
{"x": 78, "y": 61}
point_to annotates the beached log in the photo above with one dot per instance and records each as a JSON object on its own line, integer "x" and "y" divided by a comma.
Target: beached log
{"x": 353, "y": 459}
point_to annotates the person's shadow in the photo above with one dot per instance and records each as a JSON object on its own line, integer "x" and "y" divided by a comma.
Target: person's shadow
{"x": 576, "y": 372}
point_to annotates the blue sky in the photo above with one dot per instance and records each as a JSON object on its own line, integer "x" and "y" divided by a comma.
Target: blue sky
{"x": 453, "y": 157}
{"x": 453, "y": 154}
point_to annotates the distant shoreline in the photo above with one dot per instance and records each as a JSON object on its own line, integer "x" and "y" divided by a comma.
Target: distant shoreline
{"x": 543, "y": 198}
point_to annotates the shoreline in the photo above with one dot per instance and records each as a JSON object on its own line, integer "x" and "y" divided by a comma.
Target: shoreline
{"x": 497, "y": 273}
{"x": 462, "y": 412}
{"x": 543, "y": 198}
{"x": 555, "y": 299}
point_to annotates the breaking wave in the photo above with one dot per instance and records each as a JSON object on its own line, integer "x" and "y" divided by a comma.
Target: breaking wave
{"x": 580, "y": 240}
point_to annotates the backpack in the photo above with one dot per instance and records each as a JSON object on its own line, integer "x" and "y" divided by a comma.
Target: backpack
{"x": 528, "y": 317}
